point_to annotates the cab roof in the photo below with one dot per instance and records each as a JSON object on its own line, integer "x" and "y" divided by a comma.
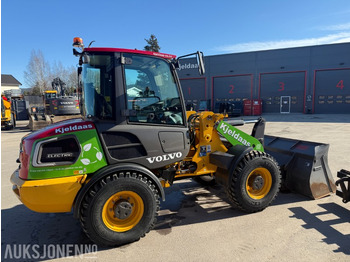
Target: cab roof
{"x": 133, "y": 51}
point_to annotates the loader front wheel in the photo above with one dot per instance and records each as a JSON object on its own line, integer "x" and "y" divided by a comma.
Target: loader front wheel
{"x": 255, "y": 182}
{"x": 119, "y": 209}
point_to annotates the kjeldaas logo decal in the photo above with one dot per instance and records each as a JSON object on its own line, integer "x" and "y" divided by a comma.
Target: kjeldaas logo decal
{"x": 72, "y": 128}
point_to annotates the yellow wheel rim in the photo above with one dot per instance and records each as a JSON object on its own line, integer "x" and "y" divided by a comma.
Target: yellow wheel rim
{"x": 259, "y": 183}
{"x": 123, "y": 211}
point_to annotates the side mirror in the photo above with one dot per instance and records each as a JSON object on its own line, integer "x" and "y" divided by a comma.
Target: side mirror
{"x": 86, "y": 59}
{"x": 200, "y": 62}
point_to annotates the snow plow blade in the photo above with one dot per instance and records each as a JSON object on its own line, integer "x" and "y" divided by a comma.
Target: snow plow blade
{"x": 304, "y": 165}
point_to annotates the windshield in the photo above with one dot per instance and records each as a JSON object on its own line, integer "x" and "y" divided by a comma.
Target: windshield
{"x": 152, "y": 93}
{"x": 50, "y": 95}
{"x": 98, "y": 87}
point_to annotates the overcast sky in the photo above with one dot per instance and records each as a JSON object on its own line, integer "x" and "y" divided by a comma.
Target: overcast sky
{"x": 214, "y": 27}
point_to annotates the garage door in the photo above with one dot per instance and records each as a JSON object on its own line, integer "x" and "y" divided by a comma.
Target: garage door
{"x": 332, "y": 91}
{"x": 234, "y": 88}
{"x": 194, "y": 91}
{"x": 283, "y": 92}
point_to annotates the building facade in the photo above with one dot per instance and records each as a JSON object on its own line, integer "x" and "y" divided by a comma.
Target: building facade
{"x": 8, "y": 82}
{"x": 313, "y": 79}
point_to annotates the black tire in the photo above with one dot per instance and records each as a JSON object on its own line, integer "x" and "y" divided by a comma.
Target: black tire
{"x": 131, "y": 193}
{"x": 255, "y": 182}
{"x": 207, "y": 180}
{"x": 13, "y": 121}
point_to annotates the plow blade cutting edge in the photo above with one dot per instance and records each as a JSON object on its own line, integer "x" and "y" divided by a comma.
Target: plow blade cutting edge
{"x": 304, "y": 165}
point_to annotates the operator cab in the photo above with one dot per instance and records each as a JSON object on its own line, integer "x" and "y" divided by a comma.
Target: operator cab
{"x": 135, "y": 101}
{"x": 148, "y": 87}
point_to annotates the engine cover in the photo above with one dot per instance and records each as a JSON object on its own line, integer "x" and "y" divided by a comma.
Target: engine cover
{"x": 66, "y": 149}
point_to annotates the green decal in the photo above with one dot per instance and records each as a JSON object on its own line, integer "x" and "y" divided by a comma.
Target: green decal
{"x": 90, "y": 155}
{"x": 238, "y": 137}
{"x": 90, "y": 160}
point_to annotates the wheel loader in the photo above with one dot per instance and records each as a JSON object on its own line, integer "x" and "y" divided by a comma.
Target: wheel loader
{"x": 110, "y": 168}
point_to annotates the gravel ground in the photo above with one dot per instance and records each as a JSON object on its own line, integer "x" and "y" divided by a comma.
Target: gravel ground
{"x": 197, "y": 223}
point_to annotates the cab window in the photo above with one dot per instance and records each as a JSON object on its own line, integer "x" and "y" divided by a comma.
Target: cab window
{"x": 151, "y": 91}
{"x": 98, "y": 85}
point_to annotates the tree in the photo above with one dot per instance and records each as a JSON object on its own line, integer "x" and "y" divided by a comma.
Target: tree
{"x": 68, "y": 75}
{"x": 38, "y": 72}
{"x": 35, "y": 91}
{"x": 152, "y": 44}
{"x": 72, "y": 82}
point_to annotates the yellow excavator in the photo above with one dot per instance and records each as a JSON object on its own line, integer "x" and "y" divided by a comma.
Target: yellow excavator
{"x": 8, "y": 116}
{"x": 57, "y": 107}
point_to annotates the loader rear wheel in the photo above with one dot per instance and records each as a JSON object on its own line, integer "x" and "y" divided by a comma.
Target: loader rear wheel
{"x": 119, "y": 209}
{"x": 255, "y": 182}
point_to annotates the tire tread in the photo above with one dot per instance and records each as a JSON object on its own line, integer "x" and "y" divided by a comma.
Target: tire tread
{"x": 89, "y": 196}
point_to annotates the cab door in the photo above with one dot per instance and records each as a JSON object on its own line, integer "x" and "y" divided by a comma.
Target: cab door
{"x": 285, "y": 104}
{"x": 154, "y": 130}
